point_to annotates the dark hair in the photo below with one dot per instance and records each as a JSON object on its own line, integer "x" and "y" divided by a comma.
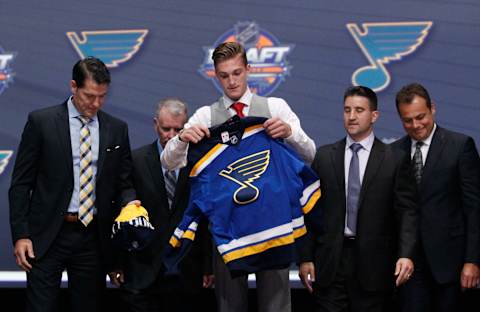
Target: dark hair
{"x": 408, "y": 92}
{"x": 228, "y": 50}
{"x": 90, "y": 68}
{"x": 365, "y": 92}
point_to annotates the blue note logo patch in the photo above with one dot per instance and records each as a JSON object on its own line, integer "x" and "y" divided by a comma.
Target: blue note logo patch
{"x": 4, "y": 158}
{"x": 113, "y": 47}
{"x": 243, "y": 172}
{"x": 382, "y": 43}
{"x": 6, "y": 73}
{"x": 265, "y": 54}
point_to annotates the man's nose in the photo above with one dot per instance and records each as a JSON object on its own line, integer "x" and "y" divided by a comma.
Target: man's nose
{"x": 416, "y": 124}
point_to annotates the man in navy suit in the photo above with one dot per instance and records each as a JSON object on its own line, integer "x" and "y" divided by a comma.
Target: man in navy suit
{"x": 145, "y": 286}
{"x": 71, "y": 176}
{"x": 365, "y": 243}
{"x": 447, "y": 171}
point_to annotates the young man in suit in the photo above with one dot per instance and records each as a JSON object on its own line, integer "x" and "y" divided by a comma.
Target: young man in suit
{"x": 165, "y": 195}
{"x": 446, "y": 166}
{"x": 365, "y": 243}
{"x": 71, "y": 175}
{"x": 231, "y": 70}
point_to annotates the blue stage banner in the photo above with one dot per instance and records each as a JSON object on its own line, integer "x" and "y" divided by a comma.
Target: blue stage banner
{"x": 307, "y": 52}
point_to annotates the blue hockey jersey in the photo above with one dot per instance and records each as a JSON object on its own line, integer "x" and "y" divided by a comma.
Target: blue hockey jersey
{"x": 254, "y": 190}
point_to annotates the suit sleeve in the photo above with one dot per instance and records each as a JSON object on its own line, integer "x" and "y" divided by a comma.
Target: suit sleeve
{"x": 125, "y": 190}
{"x": 405, "y": 207}
{"x": 469, "y": 177}
{"x": 24, "y": 179}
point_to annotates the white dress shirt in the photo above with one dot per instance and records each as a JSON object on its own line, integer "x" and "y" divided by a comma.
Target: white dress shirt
{"x": 425, "y": 147}
{"x": 175, "y": 153}
{"x": 363, "y": 155}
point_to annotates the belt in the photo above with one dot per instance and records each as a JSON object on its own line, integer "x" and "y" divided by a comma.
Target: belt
{"x": 70, "y": 217}
{"x": 348, "y": 241}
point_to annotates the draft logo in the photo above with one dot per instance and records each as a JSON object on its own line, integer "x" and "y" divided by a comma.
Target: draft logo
{"x": 266, "y": 55}
{"x": 4, "y": 158}
{"x": 382, "y": 43}
{"x": 6, "y": 73}
{"x": 113, "y": 47}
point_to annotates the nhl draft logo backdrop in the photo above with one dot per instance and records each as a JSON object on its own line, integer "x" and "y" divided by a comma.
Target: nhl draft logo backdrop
{"x": 6, "y": 73}
{"x": 266, "y": 55}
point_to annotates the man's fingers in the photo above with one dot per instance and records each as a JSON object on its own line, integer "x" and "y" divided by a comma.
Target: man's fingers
{"x": 30, "y": 251}
{"x": 195, "y": 133}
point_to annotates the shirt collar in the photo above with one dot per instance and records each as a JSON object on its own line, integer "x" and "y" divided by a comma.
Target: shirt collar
{"x": 366, "y": 143}
{"x": 428, "y": 140}
{"x": 159, "y": 146}
{"x": 245, "y": 99}
{"x": 73, "y": 112}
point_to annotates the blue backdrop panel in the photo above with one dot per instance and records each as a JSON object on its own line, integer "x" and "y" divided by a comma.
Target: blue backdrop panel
{"x": 322, "y": 57}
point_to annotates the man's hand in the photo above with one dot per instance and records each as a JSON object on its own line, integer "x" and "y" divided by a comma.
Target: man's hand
{"x": 470, "y": 276}
{"x": 194, "y": 134}
{"x": 208, "y": 280}
{"x": 307, "y": 275}
{"x": 277, "y": 129}
{"x": 135, "y": 202}
{"x": 24, "y": 248}
{"x": 116, "y": 277}
{"x": 403, "y": 270}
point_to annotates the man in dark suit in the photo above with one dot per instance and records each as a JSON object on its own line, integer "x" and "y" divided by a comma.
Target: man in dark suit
{"x": 145, "y": 286}
{"x": 71, "y": 174}
{"x": 446, "y": 166}
{"x": 367, "y": 212}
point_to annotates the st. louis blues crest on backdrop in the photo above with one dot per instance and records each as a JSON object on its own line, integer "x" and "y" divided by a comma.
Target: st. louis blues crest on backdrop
{"x": 266, "y": 55}
{"x": 382, "y": 43}
{"x": 113, "y": 47}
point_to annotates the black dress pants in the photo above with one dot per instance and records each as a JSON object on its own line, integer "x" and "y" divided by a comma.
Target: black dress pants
{"x": 75, "y": 250}
{"x": 345, "y": 292}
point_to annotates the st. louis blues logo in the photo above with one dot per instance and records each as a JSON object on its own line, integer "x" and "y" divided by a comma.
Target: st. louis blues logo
{"x": 6, "y": 73}
{"x": 382, "y": 43}
{"x": 113, "y": 47}
{"x": 243, "y": 172}
{"x": 266, "y": 56}
{"x": 4, "y": 157}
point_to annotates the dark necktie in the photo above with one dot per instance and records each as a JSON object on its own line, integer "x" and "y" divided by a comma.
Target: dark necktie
{"x": 238, "y": 107}
{"x": 353, "y": 191}
{"x": 170, "y": 182}
{"x": 87, "y": 183}
{"x": 418, "y": 162}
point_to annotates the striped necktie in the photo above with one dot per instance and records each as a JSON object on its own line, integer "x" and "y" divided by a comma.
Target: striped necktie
{"x": 170, "y": 182}
{"x": 85, "y": 210}
{"x": 418, "y": 162}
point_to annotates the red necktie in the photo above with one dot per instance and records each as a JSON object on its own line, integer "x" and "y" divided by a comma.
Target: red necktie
{"x": 238, "y": 107}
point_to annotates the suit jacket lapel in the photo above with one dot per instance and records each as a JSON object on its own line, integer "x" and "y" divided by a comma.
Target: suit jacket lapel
{"x": 63, "y": 132}
{"x": 338, "y": 161}
{"x": 375, "y": 160}
{"x": 181, "y": 185}
{"x": 104, "y": 133}
{"x": 434, "y": 152}
{"x": 152, "y": 158}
